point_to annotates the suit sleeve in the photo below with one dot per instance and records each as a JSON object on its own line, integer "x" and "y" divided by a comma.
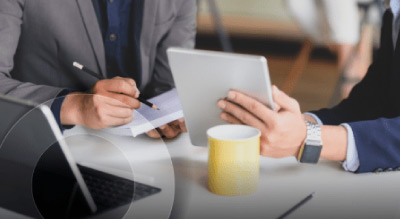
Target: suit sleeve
{"x": 370, "y": 99}
{"x": 371, "y": 111}
{"x": 377, "y": 143}
{"x": 366, "y": 101}
{"x": 11, "y": 19}
{"x": 181, "y": 34}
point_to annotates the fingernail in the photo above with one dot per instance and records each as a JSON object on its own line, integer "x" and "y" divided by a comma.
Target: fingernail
{"x": 275, "y": 88}
{"x": 181, "y": 120}
{"x": 231, "y": 95}
{"x": 162, "y": 127}
{"x": 221, "y": 104}
{"x": 137, "y": 93}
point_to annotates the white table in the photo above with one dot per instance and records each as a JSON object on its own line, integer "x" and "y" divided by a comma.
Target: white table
{"x": 143, "y": 159}
{"x": 282, "y": 183}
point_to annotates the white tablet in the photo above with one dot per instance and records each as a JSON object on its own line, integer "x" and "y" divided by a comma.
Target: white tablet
{"x": 204, "y": 77}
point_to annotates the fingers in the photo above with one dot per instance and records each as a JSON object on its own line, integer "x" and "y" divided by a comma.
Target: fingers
{"x": 182, "y": 124}
{"x": 98, "y": 113}
{"x": 117, "y": 85}
{"x": 114, "y": 116}
{"x": 128, "y": 80}
{"x": 153, "y": 134}
{"x": 132, "y": 83}
{"x": 179, "y": 124}
{"x": 124, "y": 101}
{"x": 122, "y": 89}
{"x": 284, "y": 101}
{"x": 241, "y": 114}
{"x": 114, "y": 121}
{"x": 169, "y": 131}
{"x": 255, "y": 107}
{"x": 277, "y": 108}
{"x": 175, "y": 124}
{"x": 104, "y": 120}
{"x": 230, "y": 119}
{"x": 119, "y": 112}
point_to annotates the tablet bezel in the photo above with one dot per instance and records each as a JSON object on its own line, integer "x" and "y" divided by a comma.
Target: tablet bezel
{"x": 204, "y": 77}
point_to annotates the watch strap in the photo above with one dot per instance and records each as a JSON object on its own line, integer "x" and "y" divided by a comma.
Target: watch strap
{"x": 312, "y": 147}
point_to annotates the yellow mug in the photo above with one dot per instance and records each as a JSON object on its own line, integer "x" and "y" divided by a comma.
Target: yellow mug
{"x": 233, "y": 160}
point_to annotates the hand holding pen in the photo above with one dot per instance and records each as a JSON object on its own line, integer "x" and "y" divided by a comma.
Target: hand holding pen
{"x": 100, "y": 77}
{"x": 125, "y": 92}
{"x": 110, "y": 103}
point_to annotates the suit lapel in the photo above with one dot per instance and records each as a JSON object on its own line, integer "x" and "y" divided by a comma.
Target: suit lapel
{"x": 395, "y": 71}
{"x": 149, "y": 20}
{"x": 397, "y": 49}
{"x": 396, "y": 76}
{"x": 93, "y": 30}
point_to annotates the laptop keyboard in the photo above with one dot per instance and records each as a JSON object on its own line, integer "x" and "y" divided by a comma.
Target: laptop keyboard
{"x": 109, "y": 191}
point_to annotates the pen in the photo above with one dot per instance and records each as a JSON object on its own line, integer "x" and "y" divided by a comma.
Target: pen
{"x": 100, "y": 77}
{"x": 302, "y": 202}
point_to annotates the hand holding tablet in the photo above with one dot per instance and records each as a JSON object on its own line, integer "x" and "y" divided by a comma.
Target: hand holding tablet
{"x": 202, "y": 78}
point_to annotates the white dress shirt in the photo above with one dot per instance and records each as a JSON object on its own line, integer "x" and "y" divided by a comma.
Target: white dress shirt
{"x": 352, "y": 161}
{"x": 395, "y": 6}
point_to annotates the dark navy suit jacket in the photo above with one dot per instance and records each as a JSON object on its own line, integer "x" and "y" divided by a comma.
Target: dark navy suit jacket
{"x": 373, "y": 108}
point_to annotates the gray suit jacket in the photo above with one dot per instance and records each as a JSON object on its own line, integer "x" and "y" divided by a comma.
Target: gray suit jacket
{"x": 40, "y": 39}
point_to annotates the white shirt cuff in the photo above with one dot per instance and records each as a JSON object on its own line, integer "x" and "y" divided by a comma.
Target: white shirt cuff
{"x": 352, "y": 162}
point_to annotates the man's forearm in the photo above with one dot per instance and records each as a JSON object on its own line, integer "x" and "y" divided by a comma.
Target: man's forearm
{"x": 71, "y": 109}
{"x": 334, "y": 139}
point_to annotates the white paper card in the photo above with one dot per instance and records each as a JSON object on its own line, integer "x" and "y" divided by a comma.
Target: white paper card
{"x": 146, "y": 118}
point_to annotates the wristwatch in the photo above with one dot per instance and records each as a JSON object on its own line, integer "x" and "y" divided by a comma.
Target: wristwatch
{"x": 311, "y": 149}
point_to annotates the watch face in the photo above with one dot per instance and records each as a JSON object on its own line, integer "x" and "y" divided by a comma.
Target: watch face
{"x": 310, "y": 154}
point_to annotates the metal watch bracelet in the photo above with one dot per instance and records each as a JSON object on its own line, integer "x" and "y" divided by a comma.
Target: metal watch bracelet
{"x": 311, "y": 149}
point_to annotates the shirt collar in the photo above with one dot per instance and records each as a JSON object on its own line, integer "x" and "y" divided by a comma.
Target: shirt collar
{"x": 395, "y": 7}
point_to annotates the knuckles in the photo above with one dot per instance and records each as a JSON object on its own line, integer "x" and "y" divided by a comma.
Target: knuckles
{"x": 126, "y": 112}
{"x": 125, "y": 100}
{"x": 119, "y": 83}
{"x": 254, "y": 106}
{"x": 97, "y": 100}
{"x": 245, "y": 118}
{"x": 294, "y": 104}
{"x": 131, "y": 81}
{"x": 98, "y": 86}
{"x": 128, "y": 120}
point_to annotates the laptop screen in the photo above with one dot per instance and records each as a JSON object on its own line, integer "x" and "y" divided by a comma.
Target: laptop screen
{"x": 34, "y": 163}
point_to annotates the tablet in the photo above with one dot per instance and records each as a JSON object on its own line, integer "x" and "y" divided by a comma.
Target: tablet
{"x": 204, "y": 77}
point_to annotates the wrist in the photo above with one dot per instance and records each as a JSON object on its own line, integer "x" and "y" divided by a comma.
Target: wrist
{"x": 310, "y": 151}
{"x": 303, "y": 139}
{"x": 70, "y": 113}
{"x": 335, "y": 143}
{"x": 309, "y": 118}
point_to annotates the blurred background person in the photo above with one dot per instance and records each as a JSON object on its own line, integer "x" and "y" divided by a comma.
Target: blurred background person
{"x": 336, "y": 24}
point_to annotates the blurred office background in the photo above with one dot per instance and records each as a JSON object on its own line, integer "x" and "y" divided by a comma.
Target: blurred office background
{"x": 267, "y": 28}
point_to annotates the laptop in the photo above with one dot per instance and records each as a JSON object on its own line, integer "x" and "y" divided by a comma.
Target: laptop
{"x": 204, "y": 77}
{"x": 40, "y": 178}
